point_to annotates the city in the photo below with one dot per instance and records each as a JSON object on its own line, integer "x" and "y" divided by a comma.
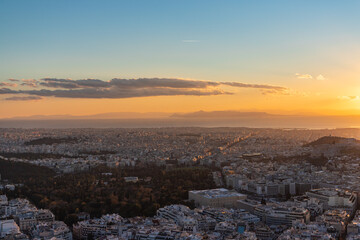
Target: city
{"x": 231, "y": 183}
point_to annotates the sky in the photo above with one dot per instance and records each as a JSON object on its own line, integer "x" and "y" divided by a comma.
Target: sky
{"x": 90, "y": 56}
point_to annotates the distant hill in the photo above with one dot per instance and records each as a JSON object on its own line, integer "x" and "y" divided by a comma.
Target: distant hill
{"x": 193, "y": 119}
{"x": 221, "y": 114}
{"x": 331, "y": 140}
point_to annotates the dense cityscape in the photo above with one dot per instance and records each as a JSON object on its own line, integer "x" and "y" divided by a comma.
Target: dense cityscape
{"x": 179, "y": 183}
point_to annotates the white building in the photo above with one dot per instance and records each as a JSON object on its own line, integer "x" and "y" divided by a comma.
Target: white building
{"x": 47, "y": 231}
{"x": 3, "y": 200}
{"x": 220, "y": 197}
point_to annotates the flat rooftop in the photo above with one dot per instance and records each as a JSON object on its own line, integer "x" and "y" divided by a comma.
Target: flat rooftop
{"x": 217, "y": 193}
{"x": 330, "y": 192}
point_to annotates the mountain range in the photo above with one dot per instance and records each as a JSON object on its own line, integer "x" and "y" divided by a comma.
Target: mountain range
{"x": 197, "y": 119}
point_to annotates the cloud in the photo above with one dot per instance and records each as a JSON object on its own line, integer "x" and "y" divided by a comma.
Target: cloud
{"x": 162, "y": 82}
{"x": 29, "y": 83}
{"x": 14, "y": 80}
{"x": 146, "y": 83}
{"x": 320, "y": 77}
{"x": 2, "y": 84}
{"x": 265, "y": 89}
{"x": 260, "y": 86}
{"x": 25, "y": 82}
{"x": 129, "y": 88}
{"x": 71, "y": 84}
{"x": 349, "y": 98}
{"x": 8, "y": 91}
{"x": 125, "y": 83}
{"x": 303, "y": 76}
{"x": 27, "y": 98}
{"x": 274, "y": 92}
{"x": 308, "y": 76}
{"x": 120, "y": 93}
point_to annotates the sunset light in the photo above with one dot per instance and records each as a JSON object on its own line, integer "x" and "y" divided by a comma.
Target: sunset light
{"x": 85, "y": 57}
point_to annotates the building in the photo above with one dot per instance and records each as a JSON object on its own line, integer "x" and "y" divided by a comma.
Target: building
{"x": 335, "y": 220}
{"x": 53, "y": 230}
{"x": 44, "y": 215}
{"x": 275, "y": 214}
{"x": 249, "y": 205}
{"x": 187, "y": 219}
{"x": 230, "y": 215}
{"x": 95, "y": 228}
{"x": 263, "y": 232}
{"x": 26, "y": 220}
{"x": 3, "y": 200}
{"x": 106, "y": 225}
{"x": 306, "y": 231}
{"x": 335, "y": 198}
{"x": 18, "y": 206}
{"x": 286, "y": 216}
{"x": 10, "y": 187}
{"x": 8, "y": 227}
{"x": 353, "y": 227}
{"x": 131, "y": 179}
{"x": 219, "y": 197}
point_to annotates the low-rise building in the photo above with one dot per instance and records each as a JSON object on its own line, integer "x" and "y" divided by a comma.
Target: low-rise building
{"x": 44, "y": 215}
{"x": 335, "y": 198}
{"x": 26, "y": 220}
{"x": 220, "y": 197}
{"x": 106, "y": 225}
{"x": 8, "y": 228}
{"x": 275, "y": 214}
{"x": 51, "y": 230}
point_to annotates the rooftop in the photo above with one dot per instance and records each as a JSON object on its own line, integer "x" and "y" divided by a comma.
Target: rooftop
{"x": 217, "y": 193}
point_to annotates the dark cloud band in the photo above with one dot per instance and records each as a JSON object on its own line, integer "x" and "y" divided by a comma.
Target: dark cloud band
{"x": 129, "y": 88}
{"x": 28, "y": 98}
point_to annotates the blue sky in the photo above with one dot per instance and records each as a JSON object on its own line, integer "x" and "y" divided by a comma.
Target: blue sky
{"x": 255, "y": 42}
{"x": 141, "y": 38}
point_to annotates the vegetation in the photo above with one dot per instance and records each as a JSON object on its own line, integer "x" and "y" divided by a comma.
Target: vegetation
{"x": 99, "y": 193}
{"x": 22, "y": 172}
{"x": 317, "y": 161}
{"x": 50, "y": 141}
{"x": 327, "y": 140}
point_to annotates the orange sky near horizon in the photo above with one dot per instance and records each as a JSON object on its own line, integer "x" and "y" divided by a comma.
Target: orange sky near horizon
{"x": 248, "y": 100}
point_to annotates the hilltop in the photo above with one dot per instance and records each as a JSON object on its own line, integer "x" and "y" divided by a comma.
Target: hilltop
{"x": 331, "y": 140}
